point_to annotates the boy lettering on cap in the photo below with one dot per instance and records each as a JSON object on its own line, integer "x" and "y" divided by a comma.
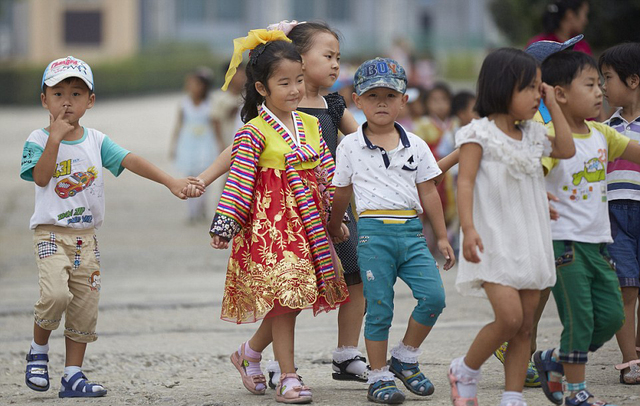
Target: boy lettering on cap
{"x": 392, "y": 174}
{"x": 66, "y": 161}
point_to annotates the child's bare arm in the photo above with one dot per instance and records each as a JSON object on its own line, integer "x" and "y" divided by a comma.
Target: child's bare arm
{"x": 46, "y": 165}
{"x": 348, "y": 124}
{"x": 146, "y": 169}
{"x": 470, "y": 156}
{"x": 632, "y": 152}
{"x": 175, "y": 135}
{"x": 341, "y": 199}
{"x": 430, "y": 200}
{"x": 562, "y": 144}
{"x": 447, "y": 163}
{"x": 218, "y": 168}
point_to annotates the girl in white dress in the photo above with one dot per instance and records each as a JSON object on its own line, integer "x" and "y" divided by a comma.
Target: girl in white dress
{"x": 504, "y": 215}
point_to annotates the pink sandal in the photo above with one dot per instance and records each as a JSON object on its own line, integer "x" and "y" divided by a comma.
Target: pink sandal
{"x": 633, "y": 376}
{"x": 251, "y": 382}
{"x": 293, "y": 395}
{"x": 455, "y": 397}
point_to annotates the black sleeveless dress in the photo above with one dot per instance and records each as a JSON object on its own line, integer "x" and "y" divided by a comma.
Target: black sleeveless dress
{"x": 330, "y": 122}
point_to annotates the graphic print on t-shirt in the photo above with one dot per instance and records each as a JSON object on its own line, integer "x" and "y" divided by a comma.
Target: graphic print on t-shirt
{"x": 594, "y": 171}
{"x": 76, "y": 182}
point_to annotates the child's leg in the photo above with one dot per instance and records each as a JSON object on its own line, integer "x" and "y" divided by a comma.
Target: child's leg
{"x": 626, "y": 335}
{"x": 508, "y": 311}
{"x": 348, "y": 363}
{"x": 515, "y": 364}
{"x": 283, "y": 331}
{"x": 81, "y": 317}
{"x": 542, "y": 303}
{"x": 248, "y": 356}
{"x": 507, "y": 307}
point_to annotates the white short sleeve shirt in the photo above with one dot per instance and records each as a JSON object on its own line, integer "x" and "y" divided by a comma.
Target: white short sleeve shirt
{"x": 382, "y": 180}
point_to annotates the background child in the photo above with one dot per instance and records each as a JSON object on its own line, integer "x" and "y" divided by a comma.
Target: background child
{"x": 504, "y": 214}
{"x": 463, "y": 108}
{"x": 390, "y": 172}
{"x": 194, "y": 144}
{"x": 620, "y": 67}
{"x": 273, "y": 207}
{"x": 319, "y": 47}
{"x": 587, "y": 292}
{"x": 225, "y": 108}
{"x": 65, "y": 162}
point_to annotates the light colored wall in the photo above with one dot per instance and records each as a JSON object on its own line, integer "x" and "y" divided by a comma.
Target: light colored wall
{"x": 120, "y": 35}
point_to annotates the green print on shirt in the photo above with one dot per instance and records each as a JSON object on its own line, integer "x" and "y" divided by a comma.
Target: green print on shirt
{"x": 593, "y": 172}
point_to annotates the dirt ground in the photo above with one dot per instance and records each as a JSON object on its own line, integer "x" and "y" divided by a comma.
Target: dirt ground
{"x": 161, "y": 339}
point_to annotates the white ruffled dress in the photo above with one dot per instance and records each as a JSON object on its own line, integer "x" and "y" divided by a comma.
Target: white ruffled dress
{"x": 510, "y": 210}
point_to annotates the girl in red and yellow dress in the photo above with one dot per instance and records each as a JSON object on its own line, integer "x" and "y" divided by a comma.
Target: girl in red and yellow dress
{"x": 274, "y": 207}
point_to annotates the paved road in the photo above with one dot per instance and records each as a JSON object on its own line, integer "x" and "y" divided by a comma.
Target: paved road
{"x": 161, "y": 340}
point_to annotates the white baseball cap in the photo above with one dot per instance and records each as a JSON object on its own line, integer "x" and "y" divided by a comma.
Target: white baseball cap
{"x": 64, "y": 68}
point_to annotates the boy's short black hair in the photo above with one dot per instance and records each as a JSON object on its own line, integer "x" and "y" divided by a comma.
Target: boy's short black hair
{"x": 68, "y": 80}
{"x": 503, "y": 71}
{"x": 622, "y": 58}
{"x": 460, "y": 101}
{"x": 562, "y": 67}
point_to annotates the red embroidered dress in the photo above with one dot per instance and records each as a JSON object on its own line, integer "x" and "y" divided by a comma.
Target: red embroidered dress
{"x": 274, "y": 208}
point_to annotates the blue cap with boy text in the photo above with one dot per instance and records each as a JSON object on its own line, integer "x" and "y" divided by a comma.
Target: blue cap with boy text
{"x": 380, "y": 72}
{"x": 64, "y": 68}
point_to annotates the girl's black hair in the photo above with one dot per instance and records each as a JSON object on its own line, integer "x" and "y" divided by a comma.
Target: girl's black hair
{"x": 439, "y": 86}
{"x": 561, "y": 68}
{"x": 460, "y": 101}
{"x": 622, "y": 58}
{"x": 555, "y": 12}
{"x": 302, "y": 34}
{"x": 503, "y": 71}
{"x": 263, "y": 61}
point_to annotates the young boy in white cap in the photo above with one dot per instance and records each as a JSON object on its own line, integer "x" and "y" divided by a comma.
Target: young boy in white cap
{"x": 66, "y": 161}
{"x": 392, "y": 174}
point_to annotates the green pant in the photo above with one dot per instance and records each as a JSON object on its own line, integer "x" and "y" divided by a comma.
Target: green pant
{"x": 588, "y": 297}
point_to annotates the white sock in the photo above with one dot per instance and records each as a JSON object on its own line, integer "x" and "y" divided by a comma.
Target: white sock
{"x": 274, "y": 366}
{"x": 467, "y": 378}
{"x": 38, "y": 349}
{"x": 381, "y": 374}
{"x": 345, "y": 353}
{"x": 70, "y": 371}
{"x": 290, "y": 383}
{"x": 512, "y": 399}
{"x": 407, "y": 354}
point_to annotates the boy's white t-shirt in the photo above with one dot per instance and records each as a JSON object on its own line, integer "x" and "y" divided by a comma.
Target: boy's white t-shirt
{"x": 580, "y": 183}
{"x": 384, "y": 183}
{"x": 74, "y": 197}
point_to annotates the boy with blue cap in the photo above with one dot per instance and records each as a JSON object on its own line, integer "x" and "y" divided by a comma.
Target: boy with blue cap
{"x": 66, "y": 161}
{"x": 391, "y": 172}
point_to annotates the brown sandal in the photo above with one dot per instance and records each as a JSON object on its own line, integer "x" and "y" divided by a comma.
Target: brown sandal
{"x": 293, "y": 395}
{"x": 251, "y": 382}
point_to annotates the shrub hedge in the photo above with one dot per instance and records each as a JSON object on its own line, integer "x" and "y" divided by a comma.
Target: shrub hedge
{"x": 160, "y": 69}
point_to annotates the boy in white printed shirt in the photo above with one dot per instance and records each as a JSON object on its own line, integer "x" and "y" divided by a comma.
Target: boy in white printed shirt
{"x": 65, "y": 162}
{"x": 392, "y": 173}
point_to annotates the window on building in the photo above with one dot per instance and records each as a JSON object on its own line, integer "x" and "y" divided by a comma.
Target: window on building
{"x": 209, "y": 11}
{"x": 230, "y": 10}
{"x": 305, "y": 10}
{"x": 83, "y": 27}
{"x": 339, "y": 10}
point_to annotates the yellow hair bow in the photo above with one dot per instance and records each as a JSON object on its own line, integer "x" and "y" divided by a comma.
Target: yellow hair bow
{"x": 255, "y": 38}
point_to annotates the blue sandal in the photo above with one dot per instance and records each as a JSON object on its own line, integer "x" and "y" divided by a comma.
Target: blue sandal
{"x": 413, "y": 382}
{"x": 581, "y": 399}
{"x": 37, "y": 371}
{"x": 385, "y": 392}
{"x": 84, "y": 389}
{"x": 544, "y": 365}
